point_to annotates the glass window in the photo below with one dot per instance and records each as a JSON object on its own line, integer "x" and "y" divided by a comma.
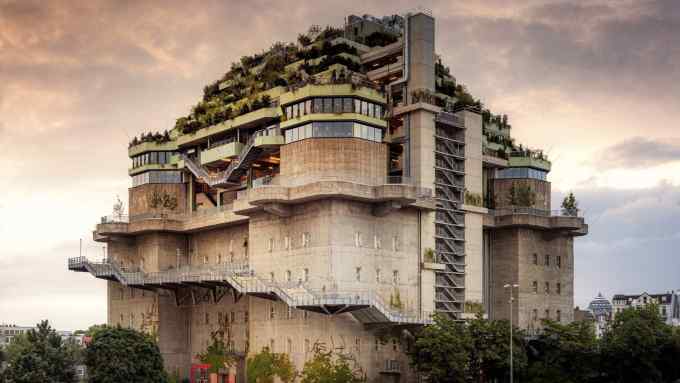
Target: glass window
{"x": 364, "y": 131}
{"x": 371, "y": 109}
{"x": 308, "y": 106}
{"x": 295, "y": 134}
{"x": 295, "y": 111}
{"x": 378, "y": 111}
{"x": 317, "y": 105}
{"x": 328, "y": 105}
{"x": 289, "y": 136}
{"x": 347, "y": 105}
{"x": 337, "y": 105}
{"x": 308, "y": 130}
{"x": 289, "y": 112}
{"x": 357, "y": 106}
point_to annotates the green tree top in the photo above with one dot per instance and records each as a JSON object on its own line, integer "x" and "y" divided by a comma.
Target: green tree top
{"x": 325, "y": 367}
{"x": 570, "y": 205}
{"x": 265, "y": 365}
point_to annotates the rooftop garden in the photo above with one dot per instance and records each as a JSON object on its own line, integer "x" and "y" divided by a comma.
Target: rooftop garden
{"x": 157, "y": 137}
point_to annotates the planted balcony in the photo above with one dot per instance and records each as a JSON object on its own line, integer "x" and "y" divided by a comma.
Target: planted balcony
{"x": 221, "y": 151}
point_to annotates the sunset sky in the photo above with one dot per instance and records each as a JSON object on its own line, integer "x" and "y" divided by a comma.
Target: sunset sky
{"x": 594, "y": 83}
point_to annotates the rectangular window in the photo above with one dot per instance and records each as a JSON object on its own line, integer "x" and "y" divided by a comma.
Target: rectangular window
{"x": 308, "y": 131}
{"x": 295, "y": 111}
{"x": 364, "y": 108}
{"x": 547, "y": 287}
{"x": 317, "y": 105}
{"x": 534, "y": 315}
{"x": 558, "y": 315}
{"x": 357, "y": 274}
{"x": 547, "y": 314}
{"x": 378, "y": 111}
{"x": 357, "y": 239}
{"x": 535, "y": 259}
{"x": 347, "y": 105}
{"x": 558, "y": 260}
{"x": 547, "y": 259}
{"x": 289, "y": 112}
{"x": 395, "y": 277}
{"x": 357, "y": 106}
{"x": 558, "y": 288}
{"x": 328, "y": 105}
{"x": 337, "y": 105}
{"x": 534, "y": 287}
{"x": 371, "y": 109}
{"x": 308, "y": 106}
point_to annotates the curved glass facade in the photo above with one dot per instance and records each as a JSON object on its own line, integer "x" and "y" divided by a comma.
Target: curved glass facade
{"x": 333, "y": 129}
{"x": 157, "y": 177}
{"x": 334, "y": 105}
{"x": 151, "y": 158}
{"x": 522, "y": 173}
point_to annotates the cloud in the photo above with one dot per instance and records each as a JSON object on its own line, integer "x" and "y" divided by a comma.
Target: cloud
{"x": 640, "y": 152}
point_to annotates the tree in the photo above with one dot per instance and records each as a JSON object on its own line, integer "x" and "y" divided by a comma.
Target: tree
{"x": 324, "y": 367}
{"x": 570, "y": 205}
{"x": 217, "y": 355}
{"x": 40, "y": 356}
{"x": 489, "y": 351}
{"x": 265, "y": 365}
{"x": 118, "y": 354}
{"x": 440, "y": 351}
{"x": 633, "y": 347}
{"x": 564, "y": 354}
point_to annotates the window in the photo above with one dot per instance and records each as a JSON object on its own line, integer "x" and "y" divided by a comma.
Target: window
{"x": 305, "y": 239}
{"x": 288, "y": 276}
{"x": 207, "y": 318}
{"x": 333, "y": 129}
{"x": 286, "y": 243}
{"x": 306, "y": 275}
{"x": 271, "y": 276}
{"x": 534, "y": 286}
{"x": 535, "y": 259}
{"x": 328, "y": 105}
{"x": 270, "y": 245}
{"x": 558, "y": 315}
{"x": 377, "y": 276}
{"x": 547, "y": 287}
{"x": 558, "y": 261}
{"x": 220, "y": 318}
{"x": 295, "y": 111}
{"x": 547, "y": 314}
{"x": 547, "y": 259}
{"x": 395, "y": 243}
{"x": 347, "y": 105}
{"x": 357, "y": 344}
{"x": 246, "y": 316}
{"x": 357, "y": 274}
{"x": 289, "y": 313}
{"x": 289, "y": 346}
{"x": 558, "y": 288}
{"x": 232, "y": 317}
{"x": 272, "y": 311}
{"x": 357, "y": 239}
{"x": 534, "y": 315}
{"x": 377, "y": 344}
{"x": 271, "y": 345}
{"x": 395, "y": 277}
{"x": 376, "y": 242}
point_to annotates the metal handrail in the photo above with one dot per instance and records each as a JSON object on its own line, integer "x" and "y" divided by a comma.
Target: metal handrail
{"x": 533, "y": 211}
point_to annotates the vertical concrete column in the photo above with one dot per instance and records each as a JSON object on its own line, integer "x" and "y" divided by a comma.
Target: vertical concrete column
{"x": 421, "y": 130}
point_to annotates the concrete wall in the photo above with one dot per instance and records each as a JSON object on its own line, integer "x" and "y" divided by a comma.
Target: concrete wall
{"x": 350, "y": 159}
{"x": 140, "y": 198}
{"x": 512, "y": 262}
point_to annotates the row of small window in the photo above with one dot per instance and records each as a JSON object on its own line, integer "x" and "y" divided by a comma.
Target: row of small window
{"x": 547, "y": 260}
{"x": 522, "y": 173}
{"x": 304, "y": 276}
{"x": 152, "y": 158}
{"x": 558, "y": 315}
{"x": 359, "y": 241}
{"x": 334, "y": 105}
{"x": 157, "y": 177}
{"x": 333, "y": 129}
{"x": 558, "y": 287}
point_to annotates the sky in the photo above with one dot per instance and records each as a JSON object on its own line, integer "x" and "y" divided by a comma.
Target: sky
{"x": 596, "y": 84}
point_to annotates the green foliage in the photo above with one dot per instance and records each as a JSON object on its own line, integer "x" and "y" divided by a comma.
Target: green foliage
{"x": 395, "y": 300}
{"x": 162, "y": 200}
{"x": 217, "y": 355}
{"x": 265, "y": 365}
{"x": 379, "y": 38}
{"x": 521, "y": 195}
{"x": 489, "y": 350}
{"x": 640, "y": 347}
{"x": 440, "y": 351}
{"x": 473, "y": 307}
{"x": 123, "y": 355}
{"x": 570, "y": 205}
{"x": 428, "y": 255}
{"x": 324, "y": 367}
{"x": 40, "y": 356}
{"x": 474, "y": 199}
{"x": 564, "y": 354}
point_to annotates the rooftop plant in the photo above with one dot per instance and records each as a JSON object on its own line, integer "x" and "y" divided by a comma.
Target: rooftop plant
{"x": 379, "y": 38}
{"x": 156, "y": 137}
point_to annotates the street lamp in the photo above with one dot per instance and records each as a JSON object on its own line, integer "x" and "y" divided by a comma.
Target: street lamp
{"x": 512, "y": 298}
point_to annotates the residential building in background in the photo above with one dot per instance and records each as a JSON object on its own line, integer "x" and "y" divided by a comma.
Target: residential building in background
{"x": 668, "y": 304}
{"x": 9, "y": 331}
{"x": 325, "y": 193}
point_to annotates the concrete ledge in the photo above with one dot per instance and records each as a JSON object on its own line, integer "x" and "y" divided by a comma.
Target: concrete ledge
{"x": 434, "y": 266}
{"x": 474, "y": 209}
{"x": 575, "y": 225}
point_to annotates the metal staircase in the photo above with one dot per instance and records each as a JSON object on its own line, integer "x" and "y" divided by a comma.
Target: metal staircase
{"x": 237, "y": 168}
{"x": 450, "y": 220}
{"x": 366, "y": 306}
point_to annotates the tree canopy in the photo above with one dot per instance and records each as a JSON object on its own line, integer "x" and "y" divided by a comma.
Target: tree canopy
{"x": 40, "y": 356}
{"x": 265, "y": 365}
{"x": 325, "y": 367}
{"x": 118, "y": 354}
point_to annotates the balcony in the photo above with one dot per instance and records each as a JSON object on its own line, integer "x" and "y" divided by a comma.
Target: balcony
{"x": 536, "y": 218}
{"x": 529, "y": 162}
{"x": 152, "y": 147}
{"x": 329, "y": 90}
{"x": 220, "y": 152}
{"x": 334, "y": 117}
{"x": 387, "y": 70}
{"x": 255, "y": 118}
